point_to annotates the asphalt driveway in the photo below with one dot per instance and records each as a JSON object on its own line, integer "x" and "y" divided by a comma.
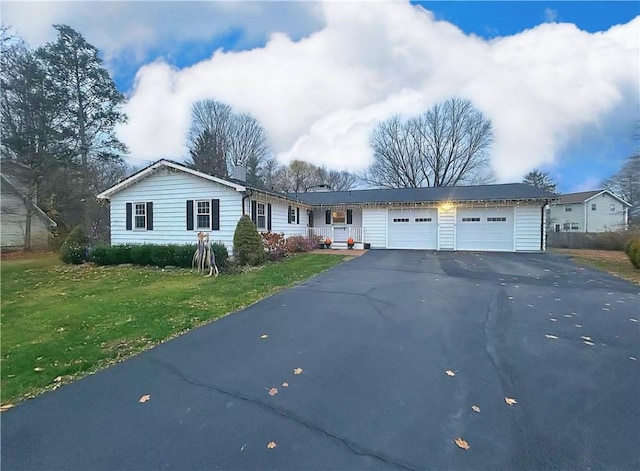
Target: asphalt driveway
{"x": 373, "y": 337}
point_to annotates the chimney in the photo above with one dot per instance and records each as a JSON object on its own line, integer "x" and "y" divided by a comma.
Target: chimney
{"x": 239, "y": 173}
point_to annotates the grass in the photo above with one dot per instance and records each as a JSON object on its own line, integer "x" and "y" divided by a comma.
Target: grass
{"x": 614, "y": 262}
{"x": 60, "y": 322}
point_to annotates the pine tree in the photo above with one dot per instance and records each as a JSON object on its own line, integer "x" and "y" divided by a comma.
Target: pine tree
{"x": 540, "y": 180}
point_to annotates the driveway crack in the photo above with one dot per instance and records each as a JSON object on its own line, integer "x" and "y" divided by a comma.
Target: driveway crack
{"x": 289, "y": 415}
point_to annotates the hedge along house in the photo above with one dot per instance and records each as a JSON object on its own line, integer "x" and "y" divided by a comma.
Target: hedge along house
{"x": 508, "y": 217}
{"x": 169, "y": 203}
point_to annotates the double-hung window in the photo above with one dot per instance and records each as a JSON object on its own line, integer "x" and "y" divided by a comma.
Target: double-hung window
{"x": 339, "y": 217}
{"x": 261, "y": 218}
{"x": 140, "y": 215}
{"x": 292, "y": 214}
{"x": 203, "y": 214}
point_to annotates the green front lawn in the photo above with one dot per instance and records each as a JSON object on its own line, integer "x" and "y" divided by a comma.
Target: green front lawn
{"x": 60, "y": 322}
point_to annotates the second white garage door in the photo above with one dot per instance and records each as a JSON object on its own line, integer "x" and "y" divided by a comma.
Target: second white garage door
{"x": 413, "y": 229}
{"x": 484, "y": 229}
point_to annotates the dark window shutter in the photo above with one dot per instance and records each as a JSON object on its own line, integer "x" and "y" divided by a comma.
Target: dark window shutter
{"x": 129, "y": 217}
{"x": 269, "y": 216}
{"x": 297, "y": 215}
{"x": 149, "y": 216}
{"x": 254, "y": 212}
{"x": 349, "y": 216}
{"x": 310, "y": 218}
{"x": 189, "y": 215}
{"x": 215, "y": 215}
{"x": 289, "y": 214}
{"x": 327, "y": 216}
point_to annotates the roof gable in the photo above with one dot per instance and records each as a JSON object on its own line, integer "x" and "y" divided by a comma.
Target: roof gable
{"x": 585, "y": 196}
{"x": 20, "y": 193}
{"x": 145, "y": 172}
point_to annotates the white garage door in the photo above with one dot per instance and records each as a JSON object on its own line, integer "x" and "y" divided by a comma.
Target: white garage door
{"x": 413, "y": 229}
{"x": 484, "y": 229}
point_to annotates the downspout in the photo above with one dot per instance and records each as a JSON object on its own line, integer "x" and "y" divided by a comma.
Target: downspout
{"x": 248, "y": 194}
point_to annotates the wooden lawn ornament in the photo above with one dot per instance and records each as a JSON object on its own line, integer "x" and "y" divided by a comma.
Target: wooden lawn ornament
{"x": 204, "y": 258}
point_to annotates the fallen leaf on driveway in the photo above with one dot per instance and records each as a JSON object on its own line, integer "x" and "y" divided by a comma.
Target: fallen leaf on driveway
{"x": 549, "y": 336}
{"x": 461, "y": 443}
{"x": 264, "y": 336}
{"x": 285, "y": 385}
{"x": 450, "y": 373}
{"x": 633, "y": 358}
{"x": 475, "y": 408}
{"x": 588, "y": 343}
{"x": 273, "y": 391}
{"x": 511, "y": 401}
{"x": 271, "y": 445}
{"x": 145, "y": 398}
{"x": 5, "y": 407}
{"x": 584, "y": 337}
{"x": 297, "y": 371}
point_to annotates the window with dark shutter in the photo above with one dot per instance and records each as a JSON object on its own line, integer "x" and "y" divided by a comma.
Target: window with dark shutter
{"x": 268, "y": 216}
{"x": 189, "y": 215}
{"x": 288, "y": 214}
{"x": 310, "y": 213}
{"x": 349, "y": 216}
{"x": 297, "y": 215}
{"x": 254, "y": 208}
{"x": 327, "y": 217}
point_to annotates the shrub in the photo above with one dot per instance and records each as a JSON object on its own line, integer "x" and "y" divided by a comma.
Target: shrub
{"x": 611, "y": 240}
{"x": 222, "y": 255}
{"x": 141, "y": 254}
{"x": 73, "y": 253}
{"x": 120, "y": 253}
{"x": 274, "y": 245}
{"x": 100, "y": 255}
{"x": 296, "y": 244}
{"x": 632, "y": 250}
{"x": 183, "y": 255}
{"x": 247, "y": 243}
{"x": 75, "y": 247}
{"x": 162, "y": 255}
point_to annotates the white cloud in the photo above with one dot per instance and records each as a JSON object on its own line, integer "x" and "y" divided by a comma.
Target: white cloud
{"x": 320, "y": 96}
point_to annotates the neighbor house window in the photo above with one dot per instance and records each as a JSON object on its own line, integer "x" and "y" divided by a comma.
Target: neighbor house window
{"x": 470, "y": 219}
{"x": 339, "y": 217}
{"x": 593, "y": 206}
{"x": 612, "y": 207}
{"x": 203, "y": 214}
{"x": 140, "y": 216}
{"x": 261, "y": 216}
{"x": 400, "y": 219}
{"x": 574, "y": 226}
{"x": 566, "y": 226}
{"x": 567, "y": 208}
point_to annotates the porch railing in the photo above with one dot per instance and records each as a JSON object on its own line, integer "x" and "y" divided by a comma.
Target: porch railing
{"x": 356, "y": 233}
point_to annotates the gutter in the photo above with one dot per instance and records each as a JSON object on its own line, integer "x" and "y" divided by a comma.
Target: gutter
{"x": 248, "y": 194}
{"x": 543, "y": 234}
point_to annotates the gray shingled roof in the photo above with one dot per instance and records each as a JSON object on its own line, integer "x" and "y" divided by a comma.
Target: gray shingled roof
{"x": 504, "y": 192}
{"x": 572, "y": 198}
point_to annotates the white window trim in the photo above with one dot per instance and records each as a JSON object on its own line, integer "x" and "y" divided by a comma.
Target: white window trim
{"x": 197, "y": 221}
{"x": 568, "y": 208}
{"x": 136, "y": 216}
{"x": 292, "y": 214}
{"x": 263, "y": 215}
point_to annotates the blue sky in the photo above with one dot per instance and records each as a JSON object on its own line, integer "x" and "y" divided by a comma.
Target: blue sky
{"x": 333, "y": 70}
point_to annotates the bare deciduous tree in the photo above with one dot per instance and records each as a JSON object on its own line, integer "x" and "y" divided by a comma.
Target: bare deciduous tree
{"x": 448, "y": 145}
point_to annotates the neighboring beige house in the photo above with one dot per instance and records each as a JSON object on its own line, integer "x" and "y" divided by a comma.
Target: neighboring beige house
{"x": 15, "y": 207}
{"x": 588, "y": 211}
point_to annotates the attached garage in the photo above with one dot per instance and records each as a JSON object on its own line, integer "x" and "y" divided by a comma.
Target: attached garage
{"x": 485, "y": 229}
{"x": 413, "y": 229}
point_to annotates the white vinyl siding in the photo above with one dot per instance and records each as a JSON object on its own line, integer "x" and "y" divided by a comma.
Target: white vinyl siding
{"x": 446, "y": 229}
{"x": 374, "y": 222}
{"x": 13, "y": 223}
{"x": 280, "y": 219}
{"x": 412, "y": 229}
{"x": 603, "y": 219}
{"x": 528, "y": 228}
{"x": 169, "y": 192}
{"x": 485, "y": 229}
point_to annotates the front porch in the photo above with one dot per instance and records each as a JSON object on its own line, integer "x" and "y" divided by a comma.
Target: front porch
{"x": 339, "y": 235}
